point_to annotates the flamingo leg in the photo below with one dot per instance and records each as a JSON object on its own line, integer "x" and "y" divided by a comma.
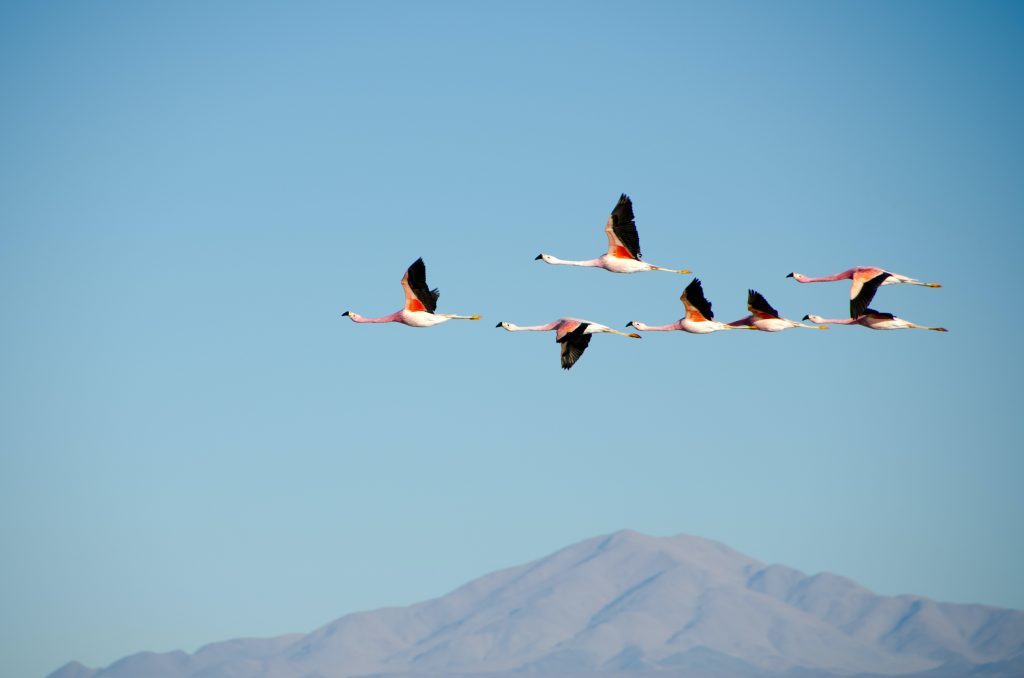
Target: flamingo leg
{"x": 683, "y": 271}
{"x": 623, "y": 334}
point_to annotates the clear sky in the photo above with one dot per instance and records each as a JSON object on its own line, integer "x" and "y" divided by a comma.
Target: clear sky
{"x": 196, "y": 446}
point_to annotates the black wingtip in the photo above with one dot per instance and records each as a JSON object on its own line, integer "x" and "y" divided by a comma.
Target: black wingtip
{"x": 756, "y": 300}
{"x": 859, "y": 304}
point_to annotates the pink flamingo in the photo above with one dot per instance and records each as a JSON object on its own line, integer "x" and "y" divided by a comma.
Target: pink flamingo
{"x": 571, "y": 333}
{"x": 623, "y": 254}
{"x": 698, "y": 319}
{"x": 860, "y": 275}
{"x": 765, "y": 318}
{"x": 874, "y": 320}
{"x": 420, "y": 303}
{"x": 868, "y": 317}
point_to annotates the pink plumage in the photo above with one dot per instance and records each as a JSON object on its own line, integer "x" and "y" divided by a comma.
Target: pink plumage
{"x": 420, "y": 303}
{"x": 623, "y": 255}
{"x": 572, "y": 334}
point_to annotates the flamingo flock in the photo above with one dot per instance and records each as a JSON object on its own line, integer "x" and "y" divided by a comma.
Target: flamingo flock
{"x": 623, "y": 256}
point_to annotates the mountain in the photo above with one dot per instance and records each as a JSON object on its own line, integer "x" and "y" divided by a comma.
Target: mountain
{"x": 627, "y": 603}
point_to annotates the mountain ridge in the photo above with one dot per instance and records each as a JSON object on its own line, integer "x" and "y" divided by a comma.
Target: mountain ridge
{"x": 623, "y": 602}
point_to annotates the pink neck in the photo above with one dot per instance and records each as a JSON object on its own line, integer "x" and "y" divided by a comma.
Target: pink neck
{"x": 589, "y": 262}
{"x": 830, "y": 278}
{"x": 356, "y": 318}
{"x": 839, "y": 321}
{"x": 533, "y": 328}
{"x": 677, "y": 325}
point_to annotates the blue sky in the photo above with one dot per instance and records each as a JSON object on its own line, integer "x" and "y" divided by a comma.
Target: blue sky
{"x": 195, "y": 445}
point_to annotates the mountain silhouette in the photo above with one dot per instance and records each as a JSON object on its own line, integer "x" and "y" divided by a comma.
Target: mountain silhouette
{"x": 626, "y": 602}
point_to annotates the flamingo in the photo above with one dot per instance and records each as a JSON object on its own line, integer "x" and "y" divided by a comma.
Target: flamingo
{"x": 874, "y": 320}
{"x": 860, "y": 275}
{"x": 698, "y": 319}
{"x": 420, "y": 302}
{"x": 623, "y": 254}
{"x": 868, "y": 317}
{"x": 765, "y": 318}
{"x": 571, "y": 333}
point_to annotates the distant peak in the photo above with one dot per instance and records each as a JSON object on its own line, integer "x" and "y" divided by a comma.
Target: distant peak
{"x": 74, "y": 669}
{"x": 631, "y": 540}
{"x": 681, "y": 540}
{"x": 626, "y": 536}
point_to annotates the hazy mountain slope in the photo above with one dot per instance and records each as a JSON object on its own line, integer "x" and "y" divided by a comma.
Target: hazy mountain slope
{"x": 624, "y": 602}
{"x": 903, "y": 624}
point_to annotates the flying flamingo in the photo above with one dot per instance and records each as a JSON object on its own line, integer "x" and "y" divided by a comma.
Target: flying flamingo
{"x": 623, "y": 254}
{"x": 874, "y": 320}
{"x": 860, "y": 275}
{"x": 698, "y": 319}
{"x": 572, "y": 334}
{"x": 868, "y": 317}
{"x": 765, "y": 318}
{"x": 420, "y": 302}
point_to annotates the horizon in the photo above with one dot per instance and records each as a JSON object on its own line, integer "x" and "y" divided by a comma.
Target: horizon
{"x": 195, "y": 444}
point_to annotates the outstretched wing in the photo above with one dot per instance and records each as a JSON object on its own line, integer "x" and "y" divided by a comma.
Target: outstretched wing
{"x": 759, "y": 306}
{"x": 623, "y": 241}
{"x": 698, "y": 308}
{"x": 419, "y": 297}
{"x": 574, "y": 343}
{"x": 860, "y": 275}
{"x": 859, "y": 304}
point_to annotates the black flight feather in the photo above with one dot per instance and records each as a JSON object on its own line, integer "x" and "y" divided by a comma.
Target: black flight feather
{"x": 418, "y": 284}
{"x": 878, "y": 314}
{"x": 757, "y": 302}
{"x": 695, "y": 295}
{"x": 860, "y": 303}
{"x": 573, "y": 345}
{"x": 624, "y": 226}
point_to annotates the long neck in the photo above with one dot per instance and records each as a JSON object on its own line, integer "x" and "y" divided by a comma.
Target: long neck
{"x": 356, "y": 318}
{"x": 845, "y": 275}
{"x": 677, "y": 325}
{"x": 530, "y": 328}
{"x": 589, "y": 262}
{"x": 836, "y": 321}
